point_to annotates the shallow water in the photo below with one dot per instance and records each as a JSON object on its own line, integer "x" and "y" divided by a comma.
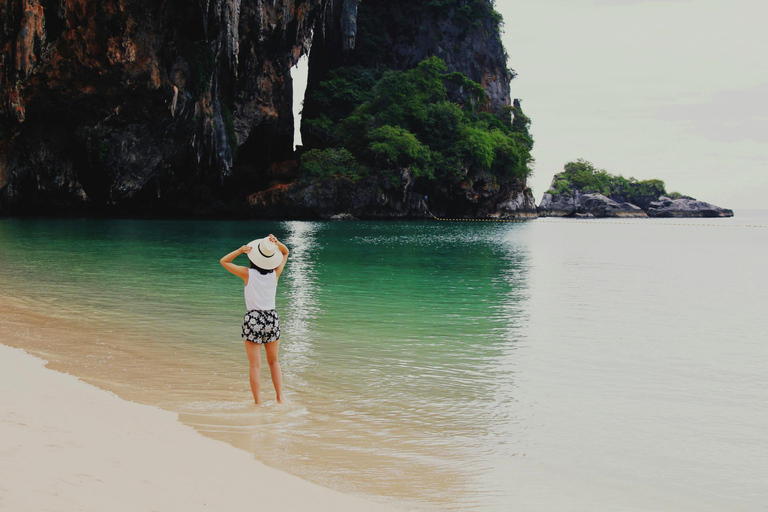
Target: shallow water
{"x": 551, "y": 364}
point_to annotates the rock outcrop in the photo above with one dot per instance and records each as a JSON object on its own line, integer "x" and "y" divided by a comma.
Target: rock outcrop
{"x": 368, "y": 198}
{"x": 592, "y": 205}
{"x": 382, "y": 198}
{"x": 573, "y": 202}
{"x": 685, "y": 207}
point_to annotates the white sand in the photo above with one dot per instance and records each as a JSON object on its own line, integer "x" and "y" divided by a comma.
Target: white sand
{"x": 67, "y": 445}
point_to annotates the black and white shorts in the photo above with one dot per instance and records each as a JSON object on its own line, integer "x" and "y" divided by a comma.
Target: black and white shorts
{"x": 261, "y": 326}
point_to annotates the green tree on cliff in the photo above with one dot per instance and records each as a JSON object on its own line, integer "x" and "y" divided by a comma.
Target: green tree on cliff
{"x": 427, "y": 119}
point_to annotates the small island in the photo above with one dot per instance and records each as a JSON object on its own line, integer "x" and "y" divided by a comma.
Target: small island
{"x": 582, "y": 190}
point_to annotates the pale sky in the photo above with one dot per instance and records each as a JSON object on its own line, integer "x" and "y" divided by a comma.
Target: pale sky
{"x": 675, "y": 90}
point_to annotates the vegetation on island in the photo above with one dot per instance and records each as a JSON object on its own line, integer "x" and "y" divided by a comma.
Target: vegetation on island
{"x": 427, "y": 119}
{"x": 583, "y": 176}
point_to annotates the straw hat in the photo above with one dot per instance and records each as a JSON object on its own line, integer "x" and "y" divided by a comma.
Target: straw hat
{"x": 264, "y": 254}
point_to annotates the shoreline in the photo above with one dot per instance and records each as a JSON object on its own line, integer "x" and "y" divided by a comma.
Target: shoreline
{"x": 69, "y": 445}
{"x": 112, "y": 359}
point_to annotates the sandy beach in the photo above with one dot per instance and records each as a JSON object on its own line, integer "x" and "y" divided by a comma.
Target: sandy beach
{"x": 67, "y": 445}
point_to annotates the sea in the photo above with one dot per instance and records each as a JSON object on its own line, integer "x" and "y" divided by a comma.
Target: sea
{"x": 545, "y": 365}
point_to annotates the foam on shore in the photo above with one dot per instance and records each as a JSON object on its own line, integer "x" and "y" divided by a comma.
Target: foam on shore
{"x": 67, "y": 445}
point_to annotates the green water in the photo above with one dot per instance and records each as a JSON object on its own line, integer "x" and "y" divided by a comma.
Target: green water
{"x": 388, "y": 329}
{"x": 444, "y": 366}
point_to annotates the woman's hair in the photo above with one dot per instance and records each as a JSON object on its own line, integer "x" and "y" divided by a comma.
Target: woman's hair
{"x": 261, "y": 270}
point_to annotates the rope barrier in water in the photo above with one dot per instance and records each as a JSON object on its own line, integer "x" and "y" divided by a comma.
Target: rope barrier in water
{"x": 540, "y": 220}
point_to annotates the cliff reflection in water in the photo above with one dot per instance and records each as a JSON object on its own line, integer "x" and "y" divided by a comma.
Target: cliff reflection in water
{"x": 412, "y": 343}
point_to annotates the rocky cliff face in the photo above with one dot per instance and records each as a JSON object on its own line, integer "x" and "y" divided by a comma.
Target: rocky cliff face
{"x": 381, "y": 34}
{"x": 179, "y": 107}
{"x": 133, "y": 103}
{"x": 381, "y": 198}
{"x": 579, "y": 204}
{"x": 399, "y": 35}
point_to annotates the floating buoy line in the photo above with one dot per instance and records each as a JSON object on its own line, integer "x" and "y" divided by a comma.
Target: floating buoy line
{"x": 585, "y": 221}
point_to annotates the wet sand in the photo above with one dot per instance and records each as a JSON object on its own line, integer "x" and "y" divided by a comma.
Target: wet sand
{"x": 68, "y": 445}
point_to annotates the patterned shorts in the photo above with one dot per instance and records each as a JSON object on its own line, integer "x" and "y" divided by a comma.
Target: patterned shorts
{"x": 261, "y": 326}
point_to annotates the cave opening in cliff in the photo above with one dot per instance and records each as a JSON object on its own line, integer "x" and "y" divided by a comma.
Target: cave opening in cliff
{"x": 299, "y": 74}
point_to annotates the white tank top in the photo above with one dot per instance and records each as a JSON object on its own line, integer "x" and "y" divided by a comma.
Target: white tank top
{"x": 260, "y": 290}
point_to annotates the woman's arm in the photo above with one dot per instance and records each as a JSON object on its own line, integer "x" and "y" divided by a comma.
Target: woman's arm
{"x": 284, "y": 250}
{"x": 226, "y": 262}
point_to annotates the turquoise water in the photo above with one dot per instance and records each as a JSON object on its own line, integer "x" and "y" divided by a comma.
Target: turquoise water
{"x": 551, "y": 364}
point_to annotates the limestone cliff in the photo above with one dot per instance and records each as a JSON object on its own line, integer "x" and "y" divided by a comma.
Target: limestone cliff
{"x": 185, "y": 107}
{"x": 380, "y": 34}
{"x": 132, "y": 103}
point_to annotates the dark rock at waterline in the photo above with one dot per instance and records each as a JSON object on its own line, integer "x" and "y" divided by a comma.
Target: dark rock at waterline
{"x": 685, "y": 207}
{"x": 589, "y": 205}
{"x": 324, "y": 199}
{"x": 377, "y": 197}
{"x": 343, "y": 216}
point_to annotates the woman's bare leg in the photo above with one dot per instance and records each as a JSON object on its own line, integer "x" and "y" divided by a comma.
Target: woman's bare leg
{"x": 274, "y": 368}
{"x": 254, "y": 361}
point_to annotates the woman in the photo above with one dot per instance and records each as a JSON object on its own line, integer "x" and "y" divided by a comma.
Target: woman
{"x": 261, "y": 326}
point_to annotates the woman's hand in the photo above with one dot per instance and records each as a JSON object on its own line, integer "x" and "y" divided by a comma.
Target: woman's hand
{"x": 281, "y": 246}
{"x": 283, "y": 249}
{"x": 226, "y": 262}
